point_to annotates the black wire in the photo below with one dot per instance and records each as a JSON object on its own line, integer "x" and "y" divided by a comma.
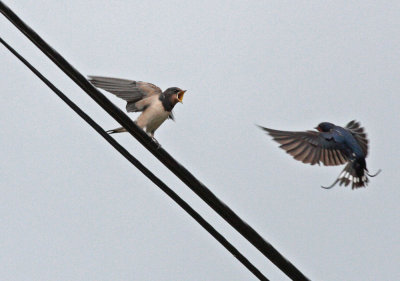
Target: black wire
{"x": 143, "y": 169}
{"x": 181, "y": 172}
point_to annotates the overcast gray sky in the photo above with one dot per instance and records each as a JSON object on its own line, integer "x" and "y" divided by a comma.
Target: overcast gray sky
{"x": 71, "y": 208}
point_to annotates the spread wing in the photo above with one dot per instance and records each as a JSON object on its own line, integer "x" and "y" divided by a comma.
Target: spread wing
{"x": 309, "y": 147}
{"x": 129, "y": 90}
{"x": 358, "y": 132}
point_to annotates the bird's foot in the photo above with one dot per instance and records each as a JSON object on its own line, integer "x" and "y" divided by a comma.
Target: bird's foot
{"x": 156, "y": 142}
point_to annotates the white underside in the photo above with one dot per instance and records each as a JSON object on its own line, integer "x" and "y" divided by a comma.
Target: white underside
{"x": 152, "y": 117}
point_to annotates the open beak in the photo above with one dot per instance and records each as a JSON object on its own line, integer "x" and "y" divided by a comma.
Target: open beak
{"x": 180, "y": 95}
{"x": 318, "y": 128}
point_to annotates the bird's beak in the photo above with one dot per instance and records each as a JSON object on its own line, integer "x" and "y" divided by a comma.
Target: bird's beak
{"x": 318, "y": 128}
{"x": 180, "y": 95}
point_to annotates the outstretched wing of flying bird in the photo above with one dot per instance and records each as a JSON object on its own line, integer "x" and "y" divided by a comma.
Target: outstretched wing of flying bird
{"x": 309, "y": 147}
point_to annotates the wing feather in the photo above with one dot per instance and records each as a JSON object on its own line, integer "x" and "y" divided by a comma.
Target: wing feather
{"x": 310, "y": 147}
{"x": 358, "y": 132}
{"x": 128, "y": 90}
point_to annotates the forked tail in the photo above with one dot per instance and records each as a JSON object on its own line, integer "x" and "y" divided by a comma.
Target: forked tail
{"x": 117, "y": 130}
{"x": 355, "y": 173}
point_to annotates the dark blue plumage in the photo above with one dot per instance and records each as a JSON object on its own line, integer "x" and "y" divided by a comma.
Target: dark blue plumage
{"x": 331, "y": 145}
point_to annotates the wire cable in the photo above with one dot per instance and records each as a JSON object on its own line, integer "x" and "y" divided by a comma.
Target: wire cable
{"x": 142, "y": 168}
{"x": 180, "y": 171}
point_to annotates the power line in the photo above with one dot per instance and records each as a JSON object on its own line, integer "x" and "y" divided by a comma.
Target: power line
{"x": 142, "y": 168}
{"x": 181, "y": 172}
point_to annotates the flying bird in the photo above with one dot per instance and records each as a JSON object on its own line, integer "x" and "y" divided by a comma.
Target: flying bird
{"x": 332, "y": 145}
{"x": 156, "y": 106}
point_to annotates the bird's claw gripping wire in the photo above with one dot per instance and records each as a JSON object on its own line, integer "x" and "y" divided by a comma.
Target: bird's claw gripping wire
{"x": 156, "y": 142}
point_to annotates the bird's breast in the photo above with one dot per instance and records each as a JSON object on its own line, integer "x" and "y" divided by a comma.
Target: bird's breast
{"x": 153, "y": 116}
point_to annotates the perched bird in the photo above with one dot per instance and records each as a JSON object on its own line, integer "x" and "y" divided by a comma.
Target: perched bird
{"x": 331, "y": 145}
{"x": 156, "y": 106}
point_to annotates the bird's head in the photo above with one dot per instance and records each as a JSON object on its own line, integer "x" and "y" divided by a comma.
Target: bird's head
{"x": 325, "y": 127}
{"x": 174, "y": 95}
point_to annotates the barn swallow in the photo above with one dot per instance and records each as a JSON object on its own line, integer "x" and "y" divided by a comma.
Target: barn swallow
{"x": 332, "y": 145}
{"x": 156, "y": 106}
